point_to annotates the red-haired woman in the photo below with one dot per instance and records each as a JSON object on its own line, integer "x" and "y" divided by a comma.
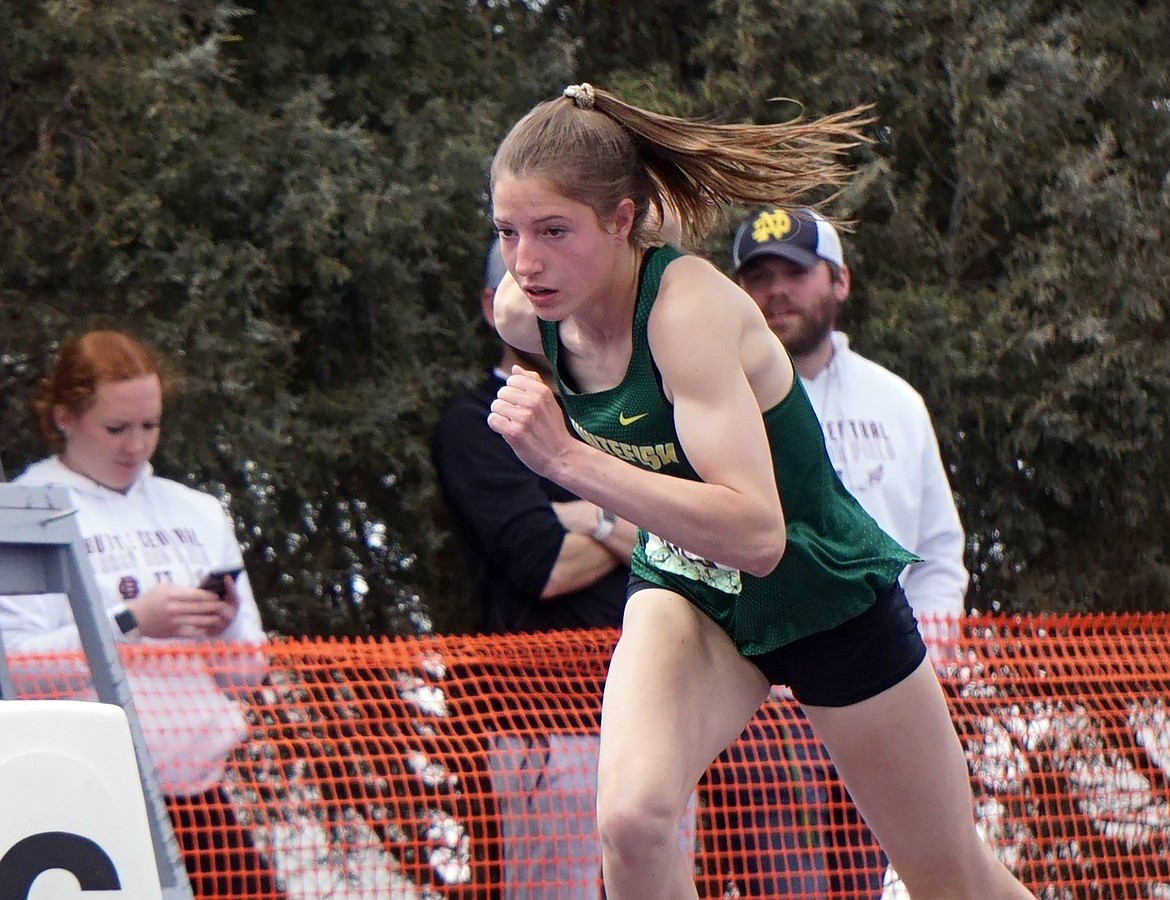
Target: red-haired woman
{"x": 150, "y": 542}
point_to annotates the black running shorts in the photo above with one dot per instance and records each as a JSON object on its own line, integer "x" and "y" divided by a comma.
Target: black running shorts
{"x": 856, "y": 660}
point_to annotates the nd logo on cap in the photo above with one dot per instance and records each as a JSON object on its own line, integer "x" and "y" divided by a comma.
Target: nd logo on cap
{"x": 74, "y": 818}
{"x": 771, "y": 225}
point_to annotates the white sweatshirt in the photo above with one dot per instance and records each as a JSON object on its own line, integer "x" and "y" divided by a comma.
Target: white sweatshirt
{"x": 881, "y": 441}
{"x": 158, "y": 531}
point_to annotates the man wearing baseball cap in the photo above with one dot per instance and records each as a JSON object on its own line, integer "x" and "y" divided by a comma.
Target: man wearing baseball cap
{"x": 880, "y": 438}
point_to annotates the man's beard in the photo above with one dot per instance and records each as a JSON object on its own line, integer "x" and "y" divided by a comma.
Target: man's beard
{"x": 813, "y": 330}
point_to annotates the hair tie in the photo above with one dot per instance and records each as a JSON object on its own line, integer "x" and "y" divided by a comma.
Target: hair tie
{"x": 581, "y": 94}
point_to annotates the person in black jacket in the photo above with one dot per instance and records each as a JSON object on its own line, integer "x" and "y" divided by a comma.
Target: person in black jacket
{"x": 541, "y": 559}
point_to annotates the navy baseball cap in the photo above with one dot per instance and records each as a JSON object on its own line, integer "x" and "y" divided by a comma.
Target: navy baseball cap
{"x": 803, "y": 236}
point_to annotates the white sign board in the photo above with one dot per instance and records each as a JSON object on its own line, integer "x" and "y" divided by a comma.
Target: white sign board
{"x": 74, "y": 812}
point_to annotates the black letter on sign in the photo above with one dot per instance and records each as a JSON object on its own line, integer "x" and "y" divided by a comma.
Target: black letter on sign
{"x": 37, "y": 853}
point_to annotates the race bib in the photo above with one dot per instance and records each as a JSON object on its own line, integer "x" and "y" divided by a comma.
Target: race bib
{"x": 668, "y": 557}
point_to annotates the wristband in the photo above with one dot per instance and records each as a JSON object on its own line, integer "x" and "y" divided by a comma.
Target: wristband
{"x": 605, "y": 523}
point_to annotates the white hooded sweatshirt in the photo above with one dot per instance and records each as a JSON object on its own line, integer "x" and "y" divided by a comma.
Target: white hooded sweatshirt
{"x": 158, "y": 531}
{"x": 882, "y": 443}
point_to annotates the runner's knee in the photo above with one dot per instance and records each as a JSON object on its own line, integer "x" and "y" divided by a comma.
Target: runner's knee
{"x": 636, "y": 825}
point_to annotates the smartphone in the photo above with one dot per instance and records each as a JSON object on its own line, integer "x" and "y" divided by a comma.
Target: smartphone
{"x": 214, "y": 581}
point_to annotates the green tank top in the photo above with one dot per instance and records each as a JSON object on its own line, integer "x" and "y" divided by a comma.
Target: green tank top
{"x": 836, "y": 556}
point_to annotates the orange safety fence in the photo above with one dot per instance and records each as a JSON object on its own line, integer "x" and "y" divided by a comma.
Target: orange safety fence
{"x": 463, "y": 766}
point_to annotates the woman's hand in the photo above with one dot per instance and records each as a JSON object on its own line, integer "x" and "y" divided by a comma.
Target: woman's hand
{"x": 527, "y": 415}
{"x": 176, "y": 611}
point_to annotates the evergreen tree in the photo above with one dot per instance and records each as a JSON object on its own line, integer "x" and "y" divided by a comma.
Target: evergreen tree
{"x": 1007, "y": 219}
{"x": 306, "y": 253}
{"x": 290, "y": 201}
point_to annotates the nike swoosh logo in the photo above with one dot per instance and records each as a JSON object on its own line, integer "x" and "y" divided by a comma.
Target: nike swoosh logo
{"x": 630, "y": 420}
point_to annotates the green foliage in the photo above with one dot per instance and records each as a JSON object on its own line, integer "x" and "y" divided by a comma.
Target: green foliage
{"x": 306, "y": 273}
{"x": 1005, "y": 263}
{"x": 290, "y": 200}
